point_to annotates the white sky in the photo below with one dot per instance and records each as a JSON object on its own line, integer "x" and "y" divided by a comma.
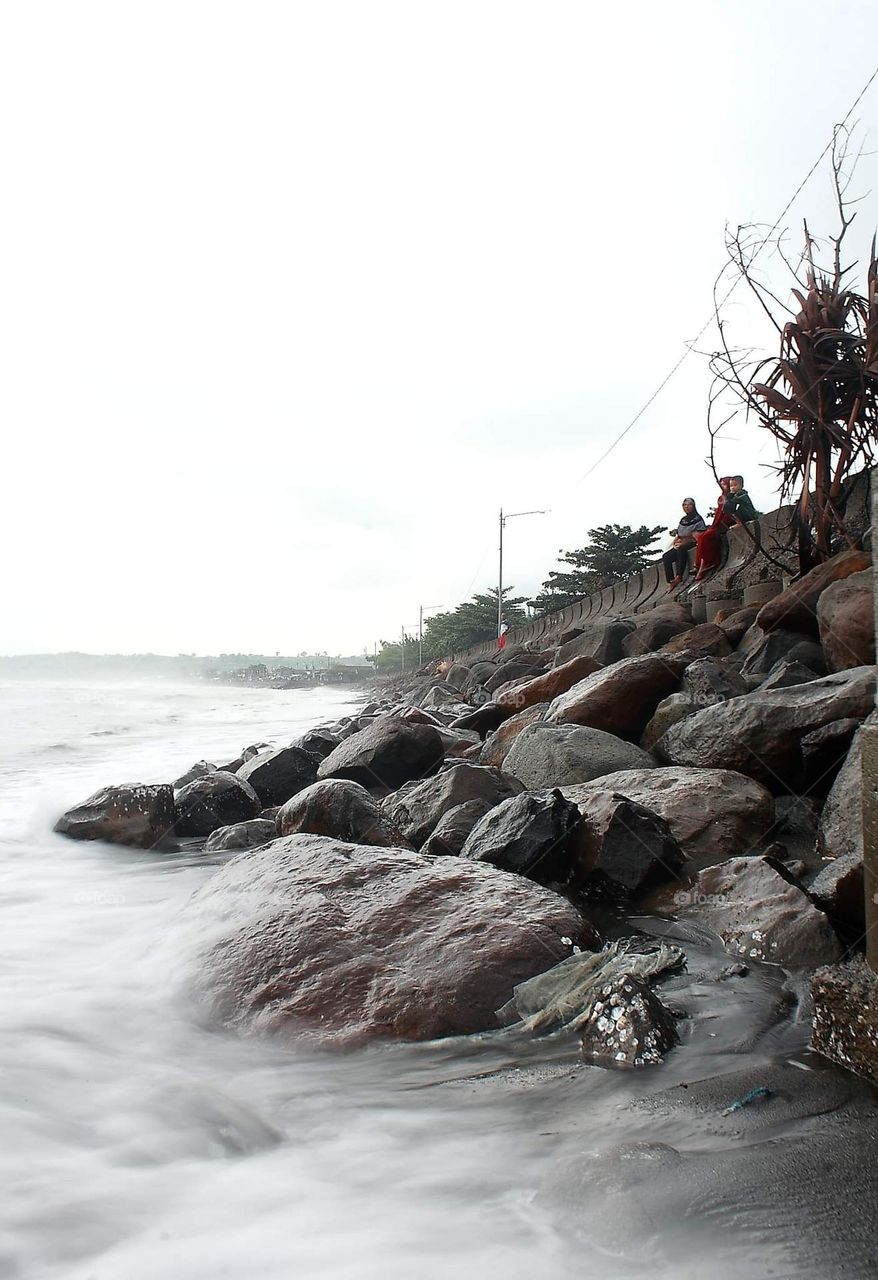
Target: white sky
{"x": 294, "y": 296}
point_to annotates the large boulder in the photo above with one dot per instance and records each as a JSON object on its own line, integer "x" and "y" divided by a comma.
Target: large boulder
{"x": 620, "y": 699}
{"x": 759, "y": 915}
{"x": 737, "y": 624}
{"x": 841, "y": 823}
{"x": 215, "y": 800}
{"x": 342, "y": 809}
{"x": 197, "y": 770}
{"x": 656, "y": 628}
{"x": 497, "y": 745}
{"x": 559, "y": 755}
{"x": 796, "y": 608}
{"x": 624, "y": 848}
{"x": 318, "y": 742}
{"x": 139, "y": 815}
{"x": 713, "y": 814}
{"x": 824, "y": 751}
{"x": 760, "y": 735}
{"x": 440, "y": 695}
{"x": 457, "y": 675}
{"x": 671, "y": 710}
{"x": 545, "y": 687}
{"x": 484, "y": 719}
{"x": 345, "y": 943}
{"x": 452, "y": 830}
{"x": 846, "y": 622}
{"x": 528, "y": 665}
{"x": 708, "y": 681}
{"x": 533, "y": 834}
{"x": 839, "y": 890}
{"x": 241, "y": 835}
{"x": 386, "y": 754}
{"x": 417, "y": 808}
{"x": 600, "y": 639}
{"x": 277, "y": 775}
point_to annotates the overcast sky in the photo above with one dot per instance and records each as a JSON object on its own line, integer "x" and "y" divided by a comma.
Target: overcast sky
{"x": 295, "y": 296}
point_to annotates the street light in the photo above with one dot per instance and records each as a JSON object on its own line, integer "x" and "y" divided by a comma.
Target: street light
{"x": 421, "y": 609}
{"x": 512, "y": 515}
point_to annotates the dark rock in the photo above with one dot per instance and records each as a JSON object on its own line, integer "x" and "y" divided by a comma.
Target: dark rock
{"x": 844, "y": 1028}
{"x": 795, "y": 816}
{"x": 528, "y": 666}
{"x": 709, "y": 681}
{"x": 138, "y": 815}
{"x": 656, "y": 628}
{"x": 759, "y": 735}
{"x": 841, "y": 823}
{"x": 779, "y": 645}
{"x": 533, "y": 834}
{"x": 342, "y": 809}
{"x": 241, "y": 835}
{"x": 198, "y": 770}
{"x": 216, "y": 800}
{"x": 545, "y": 687}
{"x": 231, "y": 766}
{"x": 484, "y": 719}
{"x": 737, "y": 624}
{"x": 759, "y": 915}
{"x": 457, "y": 675}
{"x": 846, "y": 622}
{"x": 600, "y": 639}
{"x": 824, "y": 751}
{"x": 625, "y": 848}
{"x": 347, "y": 943}
{"x": 254, "y": 750}
{"x": 558, "y": 755}
{"x": 796, "y": 608}
{"x": 391, "y": 751}
{"x": 620, "y": 699}
{"x": 417, "y": 808}
{"x": 317, "y": 742}
{"x": 497, "y": 744}
{"x": 839, "y": 891}
{"x": 713, "y": 814}
{"x": 277, "y": 775}
{"x": 457, "y": 742}
{"x": 786, "y": 674}
{"x": 451, "y": 831}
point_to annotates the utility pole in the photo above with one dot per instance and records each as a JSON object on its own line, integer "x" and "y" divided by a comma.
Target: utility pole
{"x": 513, "y": 515}
{"x": 402, "y": 647}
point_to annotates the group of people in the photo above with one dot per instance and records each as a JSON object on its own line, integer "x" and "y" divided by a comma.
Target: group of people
{"x": 733, "y": 507}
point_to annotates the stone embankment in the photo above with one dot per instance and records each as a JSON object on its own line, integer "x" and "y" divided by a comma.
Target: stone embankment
{"x": 465, "y": 851}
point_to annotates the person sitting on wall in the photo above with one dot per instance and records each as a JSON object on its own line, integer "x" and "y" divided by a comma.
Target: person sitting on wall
{"x": 676, "y": 559}
{"x": 733, "y": 508}
{"x": 707, "y": 544}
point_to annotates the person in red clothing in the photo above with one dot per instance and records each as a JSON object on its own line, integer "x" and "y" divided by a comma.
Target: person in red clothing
{"x": 501, "y": 632}
{"x": 707, "y": 544}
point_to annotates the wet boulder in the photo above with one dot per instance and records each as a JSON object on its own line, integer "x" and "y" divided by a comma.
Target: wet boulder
{"x": 344, "y": 943}
{"x": 620, "y": 699}
{"x": 545, "y": 687}
{"x": 140, "y": 815}
{"x": 342, "y": 809}
{"x": 387, "y": 754}
{"x": 216, "y": 800}
{"x": 533, "y": 834}
{"x": 713, "y": 814}
{"x": 241, "y": 835}
{"x": 624, "y": 849}
{"x": 759, "y": 735}
{"x": 417, "y": 808}
{"x": 277, "y": 775}
{"x": 759, "y": 915}
{"x": 452, "y": 830}
{"x": 497, "y": 745}
{"x": 317, "y": 742}
{"x": 796, "y": 608}
{"x": 846, "y": 622}
{"x": 198, "y": 770}
{"x": 558, "y": 755}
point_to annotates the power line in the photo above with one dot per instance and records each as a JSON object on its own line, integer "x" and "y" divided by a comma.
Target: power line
{"x": 688, "y": 351}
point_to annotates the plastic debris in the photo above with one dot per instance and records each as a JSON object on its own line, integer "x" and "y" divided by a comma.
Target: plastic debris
{"x": 761, "y": 1091}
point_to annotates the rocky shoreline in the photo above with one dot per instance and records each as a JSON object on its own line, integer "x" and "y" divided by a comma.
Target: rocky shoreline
{"x": 409, "y": 872}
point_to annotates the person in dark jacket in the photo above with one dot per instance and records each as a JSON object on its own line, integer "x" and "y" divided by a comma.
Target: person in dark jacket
{"x": 676, "y": 559}
{"x": 733, "y": 507}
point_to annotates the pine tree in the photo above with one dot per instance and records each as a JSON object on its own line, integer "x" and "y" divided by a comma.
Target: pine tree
{"x": 616, "y": 551}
